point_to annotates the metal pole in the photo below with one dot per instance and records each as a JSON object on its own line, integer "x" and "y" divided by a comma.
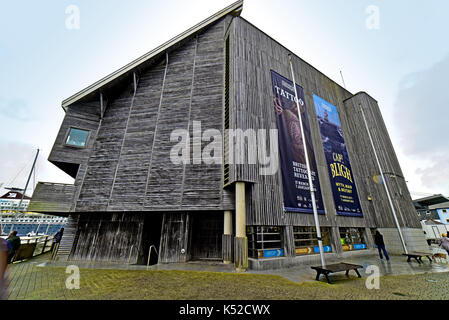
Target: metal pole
{"x": 385, "y": 184}
{"x": 309, "y": 172}
{"x": 24, "y": 190}
{"x": 28, "y": 180}
{"x": 343, "y": 79}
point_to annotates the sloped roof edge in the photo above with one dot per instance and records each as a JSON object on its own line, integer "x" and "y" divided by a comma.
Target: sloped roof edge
{"x": 431, "y": 200}
{"x": 235, "y": 8}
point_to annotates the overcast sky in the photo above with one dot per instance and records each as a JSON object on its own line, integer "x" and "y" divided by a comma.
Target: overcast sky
{"x": 397, "y": 51}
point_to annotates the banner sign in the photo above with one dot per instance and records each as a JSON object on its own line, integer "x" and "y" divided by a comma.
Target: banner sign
{"x": 291, "y": 148}
{"x": 340, "y": 173}
{"x": 310, "y": 250}
{"x": 273, "y": 253}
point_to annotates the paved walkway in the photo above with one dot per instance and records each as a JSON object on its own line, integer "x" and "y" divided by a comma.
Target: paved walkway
{"x": 40, "y": 279}
{"x": 397, "y": 265}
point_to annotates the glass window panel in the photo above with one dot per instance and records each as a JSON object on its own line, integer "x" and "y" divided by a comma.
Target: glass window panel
{"x": 306, "y": 241}
{"x": 77, "y": 137}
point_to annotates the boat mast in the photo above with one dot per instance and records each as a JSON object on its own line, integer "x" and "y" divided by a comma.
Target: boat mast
{"x": 24, "y": 190}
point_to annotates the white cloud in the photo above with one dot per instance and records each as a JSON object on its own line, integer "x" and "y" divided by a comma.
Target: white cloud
{"x": 422, "y": 115}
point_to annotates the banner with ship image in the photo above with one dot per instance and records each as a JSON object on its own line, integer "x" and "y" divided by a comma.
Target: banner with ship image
{"x": 295, "y": 181}
{"x": 340, "y": 173}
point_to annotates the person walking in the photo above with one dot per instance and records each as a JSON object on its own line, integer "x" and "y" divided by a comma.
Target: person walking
{"x": 57, "y": 239}
{"x": 379, "y": 241}
{"x": 445, "y": 243}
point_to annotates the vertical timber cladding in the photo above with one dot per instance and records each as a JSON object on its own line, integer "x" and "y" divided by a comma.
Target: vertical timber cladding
{"x": 129, "y": 167}
{"x": 114, "y": 237}
{"x": 254, "y": 55}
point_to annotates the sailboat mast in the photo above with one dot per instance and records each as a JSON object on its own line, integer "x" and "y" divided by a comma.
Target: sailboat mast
{"x": 28, "y": 181}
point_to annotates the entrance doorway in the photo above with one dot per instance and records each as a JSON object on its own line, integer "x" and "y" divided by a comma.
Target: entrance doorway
{"x": 207, "y": 232}
{"x": 151, "y": 238}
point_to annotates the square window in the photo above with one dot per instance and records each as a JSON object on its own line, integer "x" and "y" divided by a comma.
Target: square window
{"x": 77, "y": 138}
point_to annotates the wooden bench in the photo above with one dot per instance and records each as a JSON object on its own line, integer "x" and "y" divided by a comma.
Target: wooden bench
{"x": 418, "y": 256}
{"x": 338, "y": 267}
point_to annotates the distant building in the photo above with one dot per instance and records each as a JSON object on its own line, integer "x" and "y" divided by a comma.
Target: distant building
{"x": 435, "y": 207}
{"x": 10, "y": 201}
{"x": 140, "y": 182}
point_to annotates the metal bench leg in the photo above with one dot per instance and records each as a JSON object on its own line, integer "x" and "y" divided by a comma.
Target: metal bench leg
{"x": 408, "y": 260}
{"x": 318, "y": 274}
{"x": 429, "y": 259}
{"x": 347, "y": 273}
{"x": 417, "y": 260}
{"x": 358, "y": 274}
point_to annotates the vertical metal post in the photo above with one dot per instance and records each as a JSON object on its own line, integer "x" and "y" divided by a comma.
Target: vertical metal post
{"x": 309, "y": 172}
{"x": 24, "y": 190}
{"x": 28, "y": 180}
{"x": 384, "y": 183}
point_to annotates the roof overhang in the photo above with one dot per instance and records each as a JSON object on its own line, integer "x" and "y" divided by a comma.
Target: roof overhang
{"x": 234, "y": 9}
{"x": 432, "y": 200}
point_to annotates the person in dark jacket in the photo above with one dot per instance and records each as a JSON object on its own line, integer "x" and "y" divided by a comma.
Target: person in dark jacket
{"x": 57, "y": 238}
{"x": 379, "y": 241}
{"x": 13, "y": 245}
{"x": 3, "y": 269}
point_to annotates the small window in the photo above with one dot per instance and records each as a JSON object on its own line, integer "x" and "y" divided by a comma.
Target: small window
{"x": 352, "y": 239}
{"x": 265, "y": 241}
{"x": 306, "y": 241}
{"x": 77, "y": 138}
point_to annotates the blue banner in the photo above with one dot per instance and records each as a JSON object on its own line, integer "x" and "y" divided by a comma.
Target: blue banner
{"x": 273, "y": 253}
{"x": 291, "y": 148}
{"x": 325, "y": 249}
{"x": 340, "y": 173}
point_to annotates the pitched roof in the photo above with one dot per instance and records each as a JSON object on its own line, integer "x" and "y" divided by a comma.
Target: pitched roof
{"x": 14, "y": 195}
{"x": 234, "y": 9}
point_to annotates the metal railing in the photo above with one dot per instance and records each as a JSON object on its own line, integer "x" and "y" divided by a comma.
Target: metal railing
{"x": 149, "y": 254}
{"x": 131, "y": 251}
{"x": 32, "y": 247}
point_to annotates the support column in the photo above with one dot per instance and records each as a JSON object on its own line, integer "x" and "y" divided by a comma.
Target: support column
{"x": 240, "y": 242}
{"x": 227, "y": 238}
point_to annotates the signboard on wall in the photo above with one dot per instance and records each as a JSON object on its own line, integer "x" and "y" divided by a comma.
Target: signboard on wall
{"x": 344, "y": 190}
{"x": 291, "y": 148}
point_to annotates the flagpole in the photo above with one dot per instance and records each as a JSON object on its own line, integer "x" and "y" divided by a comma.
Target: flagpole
{"x": 309, "y": 172}
{"x": 385, "y": 184}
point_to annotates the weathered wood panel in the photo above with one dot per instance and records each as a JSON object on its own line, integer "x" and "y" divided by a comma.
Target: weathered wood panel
{"x": 254, "y": 54}
{"x": 228, "y": 247}
{"x": 52, "y": 198}
{"x": 241, "y": 253}
{"x": 129, "y": 166}
{"x": 108, "y": 237}
{"x": 174, "y": 238}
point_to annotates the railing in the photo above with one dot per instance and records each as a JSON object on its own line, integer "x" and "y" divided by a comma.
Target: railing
{"x": 149, "y": 253}
{"x": 131, "y": 251}
{"x": 32, "y": 247}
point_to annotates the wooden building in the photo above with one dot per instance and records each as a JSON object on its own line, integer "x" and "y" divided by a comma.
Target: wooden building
{"x": 128, "y": 195}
